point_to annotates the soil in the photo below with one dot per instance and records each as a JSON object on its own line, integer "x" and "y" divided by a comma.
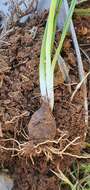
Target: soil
{"x": 20, "y": 99}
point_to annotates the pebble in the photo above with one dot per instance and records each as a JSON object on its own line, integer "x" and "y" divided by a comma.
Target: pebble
{"x": 6, "y": 182}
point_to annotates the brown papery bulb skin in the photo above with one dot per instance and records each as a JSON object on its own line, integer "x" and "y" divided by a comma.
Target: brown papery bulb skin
{"x": 42, "y": 125}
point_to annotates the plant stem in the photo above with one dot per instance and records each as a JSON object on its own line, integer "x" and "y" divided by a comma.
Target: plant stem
{"x": 42, "y": 68}
{"x": 49, "y": 74}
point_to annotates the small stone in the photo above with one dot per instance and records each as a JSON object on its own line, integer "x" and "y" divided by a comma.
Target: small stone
{"x": 6, "y": 183}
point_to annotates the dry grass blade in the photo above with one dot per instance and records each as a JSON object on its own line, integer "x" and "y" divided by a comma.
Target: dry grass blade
{"x": 81, "y": 1}
{"x": 1, "y": 133}
{"x": 79, "y": 85}
{"x": 86, "y": 55}
{"x": 64, "y": 70}
{"x": 80, "y": 63}
{"x": 3, "y": 35}
{"x": 61, "y": 176}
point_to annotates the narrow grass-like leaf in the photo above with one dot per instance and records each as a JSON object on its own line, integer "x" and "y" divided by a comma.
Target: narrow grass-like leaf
{"x": 61, "y": 176}
{"x": 47, "y": 66}
{"x": 55, "y": 20}
{"x": 49, "y": 74}
{"x": 42, "y": 66}
{"x": 79, "y": 85}
{"x": 64, "y": 32}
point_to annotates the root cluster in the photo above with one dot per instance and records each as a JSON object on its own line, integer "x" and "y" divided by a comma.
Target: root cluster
{"x": 49, "y": 148}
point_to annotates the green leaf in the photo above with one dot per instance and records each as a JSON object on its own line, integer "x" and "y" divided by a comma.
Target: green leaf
{"x": 64, "y": 32}
{"x": 46, "y": 68}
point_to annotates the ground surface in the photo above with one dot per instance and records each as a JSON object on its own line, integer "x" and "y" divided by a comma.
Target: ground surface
{"x": 20, "y": 98}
